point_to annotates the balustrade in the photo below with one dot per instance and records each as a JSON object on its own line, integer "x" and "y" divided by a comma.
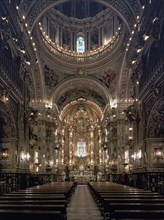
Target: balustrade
{"x": 81, "y": 57}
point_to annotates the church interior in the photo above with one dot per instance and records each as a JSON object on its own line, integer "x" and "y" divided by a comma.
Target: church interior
{"x": 81, "y": 93}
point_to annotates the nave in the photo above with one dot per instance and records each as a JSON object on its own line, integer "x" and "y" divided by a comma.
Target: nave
{"x": 82, "y": 206}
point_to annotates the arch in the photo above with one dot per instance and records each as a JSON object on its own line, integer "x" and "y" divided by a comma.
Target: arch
{"x": 91, "y": 109}
{"x": 81, "y": 82}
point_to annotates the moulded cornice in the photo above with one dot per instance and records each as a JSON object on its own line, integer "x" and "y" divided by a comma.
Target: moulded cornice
{"x": 109, "y": 57}
{"x": 127, "y": 10}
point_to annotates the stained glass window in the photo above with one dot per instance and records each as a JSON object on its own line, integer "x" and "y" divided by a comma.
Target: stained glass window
{"x": 80, "y": 44}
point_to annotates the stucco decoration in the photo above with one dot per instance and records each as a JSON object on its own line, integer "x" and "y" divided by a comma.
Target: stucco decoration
{"x": 80, "y": 93}
{"x": 155, "y": 127}
{"x": 108, "y": 77}
{"x": 7, "y": 123}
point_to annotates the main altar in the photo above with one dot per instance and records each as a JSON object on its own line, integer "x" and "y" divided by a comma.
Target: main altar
{"x": 82, "y": 177}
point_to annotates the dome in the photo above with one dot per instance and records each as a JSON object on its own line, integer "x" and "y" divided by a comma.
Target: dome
{"x": 80, "y": 9}
{"x": 80, "y": 30}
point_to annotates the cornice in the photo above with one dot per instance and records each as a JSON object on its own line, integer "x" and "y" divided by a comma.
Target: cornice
{"x": 74, "y": 23}
{"x": 120, "y": 7}
{"x": 109, "y": 57}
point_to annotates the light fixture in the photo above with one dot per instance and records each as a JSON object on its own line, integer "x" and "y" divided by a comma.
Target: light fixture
{"x": 134, "y": 156}
{"x": 22, "y": 51}
{"x": 25, "y": 156}
{"x": 5, "y": 18}
{"x": 139, "y": 154}
{"x": 4, "y": 95}
{"x": 28, "y": 62}
{"x": 155, "y": 19}
{"x": 134, "y": 61}
{"x": 158, "y": 153}
{"x": 145, "y": 37}
{"x": 139, "y": 50}
{"x": 4, "y": 153}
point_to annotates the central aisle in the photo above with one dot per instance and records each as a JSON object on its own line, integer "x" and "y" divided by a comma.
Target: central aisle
{"x": 82, "y": 206}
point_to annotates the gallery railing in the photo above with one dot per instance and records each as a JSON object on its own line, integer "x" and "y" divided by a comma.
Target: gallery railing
{"x": 89, "y": 56}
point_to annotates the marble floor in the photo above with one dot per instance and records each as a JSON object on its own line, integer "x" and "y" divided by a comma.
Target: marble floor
{"x": 82, "y": 206}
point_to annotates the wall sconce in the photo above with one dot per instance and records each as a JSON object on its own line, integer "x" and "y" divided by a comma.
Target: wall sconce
{"x": 4, "y": 95}
{"x": 145, "y": 37}
{"x": 4, "y": 153}
{"x": 158, "y": 153}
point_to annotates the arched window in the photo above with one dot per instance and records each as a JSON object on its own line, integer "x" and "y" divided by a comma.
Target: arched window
{"x": 80, "y": 44}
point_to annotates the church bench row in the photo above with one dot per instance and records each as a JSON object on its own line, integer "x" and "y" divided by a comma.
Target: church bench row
{"x": 119, "y": 210}
{"x": 111, "y": 200}
{"x": 53, "y": 201}
{"x": 10, "y": 214}
{"x": 137, "y": 214}
{"x": 51, "y": 190}
{"x": 35, "y": 203}
{"x": 29, "y": 201}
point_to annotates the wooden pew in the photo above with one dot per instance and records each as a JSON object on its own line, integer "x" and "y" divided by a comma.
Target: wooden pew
{"x": 32, "y": 197}
{"x": 28, "y": 201}
{"x": 50, "y": 197}
{"x": 103, "y": 199}
{"x": 116, "y": 201}
{"x": 131, "y": 206}
{"x": 7, "y": 214}
{"x": 137, "y": 214}
{"x": 66, "y": 189}
{"x": 33, "y": 207}
{"x": 106, "y": 209}
{"x": 112, "y": 207}
{"x": 51, "y": 202}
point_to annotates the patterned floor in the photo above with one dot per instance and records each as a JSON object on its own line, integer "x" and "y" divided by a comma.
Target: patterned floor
{"x": 82, "y": 206}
